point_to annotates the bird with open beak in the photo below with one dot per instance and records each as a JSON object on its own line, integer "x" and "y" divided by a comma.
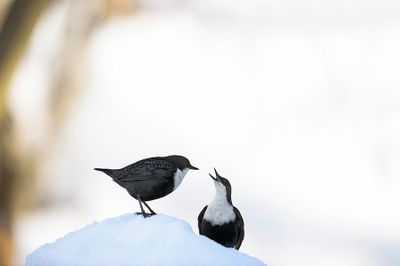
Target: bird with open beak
{"x": 220, "y": 220}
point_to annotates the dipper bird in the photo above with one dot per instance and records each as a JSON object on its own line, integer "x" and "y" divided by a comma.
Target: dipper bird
{"x": 151, "y": 178}
{"x": 220, "y": 220}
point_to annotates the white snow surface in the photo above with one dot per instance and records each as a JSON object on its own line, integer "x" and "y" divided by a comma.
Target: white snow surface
{"x": 133, "y": 240}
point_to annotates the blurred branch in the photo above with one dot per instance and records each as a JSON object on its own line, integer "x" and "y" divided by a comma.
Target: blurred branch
{"x": 18, "y": 24}
{"x": 85, "y": 17}
{"x": 7, "y": 181}
{"x": 14, "y": 36}
{"x": 4, "y": 4}
{"x": 15, "y": 33}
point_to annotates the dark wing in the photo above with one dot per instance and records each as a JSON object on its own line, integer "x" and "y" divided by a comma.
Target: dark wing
{"x": 200, "y": 217}
{"x": 240, "y": 222}
{"x": 146, "y": 169}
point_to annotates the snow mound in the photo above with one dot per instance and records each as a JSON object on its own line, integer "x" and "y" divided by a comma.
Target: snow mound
{"x": 133, "y": 240}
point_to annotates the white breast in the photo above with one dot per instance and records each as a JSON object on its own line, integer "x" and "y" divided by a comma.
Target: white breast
{"x": 178, "y": 177}
{"x": 219, "y": 211}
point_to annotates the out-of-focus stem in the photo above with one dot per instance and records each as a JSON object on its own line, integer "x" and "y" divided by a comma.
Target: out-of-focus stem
{"x": 14, "y": 36}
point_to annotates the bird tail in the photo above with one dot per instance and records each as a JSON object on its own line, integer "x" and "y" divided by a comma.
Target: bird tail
{"x": 106, "y": 171}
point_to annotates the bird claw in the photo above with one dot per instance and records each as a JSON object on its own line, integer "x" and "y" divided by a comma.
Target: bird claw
{"x": 145, "y": 215}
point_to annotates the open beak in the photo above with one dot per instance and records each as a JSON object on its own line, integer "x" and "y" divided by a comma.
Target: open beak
{"x": 193, "y": 168}
{"x": 213, "y": 178}
{"x": 216, "y": 178}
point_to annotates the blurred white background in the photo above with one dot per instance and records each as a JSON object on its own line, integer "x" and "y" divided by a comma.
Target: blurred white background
{"x": 297, "y": 103}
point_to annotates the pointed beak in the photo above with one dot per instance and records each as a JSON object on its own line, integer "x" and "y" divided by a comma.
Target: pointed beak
{"x": 213, "y": 178}
{"x": 216, "y": 174}
{"x": 193, "y": 167}
{"x": 216, "y": 178}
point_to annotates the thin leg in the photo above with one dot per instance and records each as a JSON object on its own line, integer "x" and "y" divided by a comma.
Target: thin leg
{"x": 148, "y": 207}
{"x": 141, "y": 206}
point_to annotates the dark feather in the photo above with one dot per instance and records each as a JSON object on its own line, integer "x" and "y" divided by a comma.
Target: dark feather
{"x": 240, "y": 227}
{"x": 152, "y": 168}
{"x": 200, "y": 218}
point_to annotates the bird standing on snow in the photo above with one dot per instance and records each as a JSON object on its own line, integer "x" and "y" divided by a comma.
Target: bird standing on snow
{"x": 151, "y": 178}
{"x": 220, "y": 220}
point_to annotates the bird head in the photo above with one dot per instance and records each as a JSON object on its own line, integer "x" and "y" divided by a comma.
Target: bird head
{"x": 222, "y": 184}
{"x": 182, "y": 162}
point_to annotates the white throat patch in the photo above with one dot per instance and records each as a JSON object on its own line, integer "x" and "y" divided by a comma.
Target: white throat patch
{"x": 219, "y": 211}
{"x": 178, "y": 177}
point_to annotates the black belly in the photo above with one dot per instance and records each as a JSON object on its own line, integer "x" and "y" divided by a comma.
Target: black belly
{"x": 150, "y": 189}
{"x": 226, "y": 234}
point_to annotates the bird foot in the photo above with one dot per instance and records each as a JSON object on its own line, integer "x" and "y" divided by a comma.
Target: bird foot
{"x": 145, "y": 214}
